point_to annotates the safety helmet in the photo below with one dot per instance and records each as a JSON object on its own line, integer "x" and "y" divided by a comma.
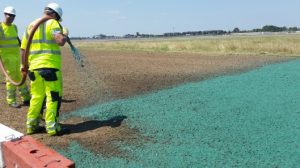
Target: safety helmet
{"x": 9, "y": 10}
{"x": 56, "y": 8}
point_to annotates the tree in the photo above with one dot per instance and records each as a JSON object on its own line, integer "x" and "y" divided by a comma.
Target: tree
{"x": 293, "y": 29}
{"x": 236, "y": 30}
{"x": 272, "y": 28}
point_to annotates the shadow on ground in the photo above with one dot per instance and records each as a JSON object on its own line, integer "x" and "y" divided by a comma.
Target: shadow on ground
{"x": 94, "y": 124}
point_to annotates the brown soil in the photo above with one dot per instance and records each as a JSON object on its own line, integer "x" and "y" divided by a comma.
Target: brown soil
{"x": 110, "y": 75}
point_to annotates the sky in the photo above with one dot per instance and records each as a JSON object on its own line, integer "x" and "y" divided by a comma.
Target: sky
{"x": 120, "y": 17}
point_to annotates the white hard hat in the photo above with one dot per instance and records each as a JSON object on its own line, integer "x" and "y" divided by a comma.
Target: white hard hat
{"x": 10, "y": 10}
{"x": 56, "y": 8}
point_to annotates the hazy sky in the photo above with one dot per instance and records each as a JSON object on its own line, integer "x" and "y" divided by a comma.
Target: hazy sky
{"x": 120, "y": 17}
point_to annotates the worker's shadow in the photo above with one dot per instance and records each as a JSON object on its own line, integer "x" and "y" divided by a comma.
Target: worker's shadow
{"x": 94, "y": 124}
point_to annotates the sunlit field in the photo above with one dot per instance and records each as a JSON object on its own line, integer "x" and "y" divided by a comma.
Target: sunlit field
{"x": 271, "y": 45}
{"x": 213, "y": 101}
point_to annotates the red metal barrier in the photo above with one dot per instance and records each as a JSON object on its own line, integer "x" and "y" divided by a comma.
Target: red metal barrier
{"x": 29, "y": 153}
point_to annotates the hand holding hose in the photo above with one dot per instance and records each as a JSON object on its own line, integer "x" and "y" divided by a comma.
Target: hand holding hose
{"x": 24, "y": 66}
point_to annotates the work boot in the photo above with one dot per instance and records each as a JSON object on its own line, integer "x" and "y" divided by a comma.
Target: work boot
{"x": 38, "y": 129}
{"x": 61, "y": 132}
{"x": 26, "y": 103}
{"x": 14, "y": 105}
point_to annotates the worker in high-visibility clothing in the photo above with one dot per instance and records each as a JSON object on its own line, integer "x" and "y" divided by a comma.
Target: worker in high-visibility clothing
{"x": 45, "y": 71}
{"x": 10, "y": 55}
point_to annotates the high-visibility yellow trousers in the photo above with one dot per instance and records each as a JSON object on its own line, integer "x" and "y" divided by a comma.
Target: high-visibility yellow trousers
{"x": 45, "y": 83}
{"x": 12, "y": 66}
{"x": 11, "y": 92}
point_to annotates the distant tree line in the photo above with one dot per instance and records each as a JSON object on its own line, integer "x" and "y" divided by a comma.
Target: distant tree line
{"x": 267, "y": 28}
{"x": 271, "y": 28}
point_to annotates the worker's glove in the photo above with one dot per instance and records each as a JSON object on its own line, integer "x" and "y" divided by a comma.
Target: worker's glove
{"x": 65, "y": 31}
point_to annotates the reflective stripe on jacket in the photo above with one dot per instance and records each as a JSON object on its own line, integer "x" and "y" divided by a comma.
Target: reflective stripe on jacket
{"x": 9, "y": 44}
{"x": 44, "y": 51}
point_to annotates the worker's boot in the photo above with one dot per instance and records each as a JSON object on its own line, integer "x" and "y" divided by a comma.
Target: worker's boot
{"x": 35, "y": 130}
{"x": 14, "y": 105}
{"x": 61, "y": 132}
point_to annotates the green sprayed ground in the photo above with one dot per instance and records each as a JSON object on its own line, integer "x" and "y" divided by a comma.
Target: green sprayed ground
{"x": 246, "y": 120}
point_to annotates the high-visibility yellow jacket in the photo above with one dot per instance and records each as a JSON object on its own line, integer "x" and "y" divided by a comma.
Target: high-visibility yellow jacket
{"x": 44, "y": 51}
{"x": 9, "y": 44}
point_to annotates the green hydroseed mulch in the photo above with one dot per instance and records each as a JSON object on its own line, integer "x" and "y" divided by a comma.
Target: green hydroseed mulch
{"x": 246, "y": 120}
